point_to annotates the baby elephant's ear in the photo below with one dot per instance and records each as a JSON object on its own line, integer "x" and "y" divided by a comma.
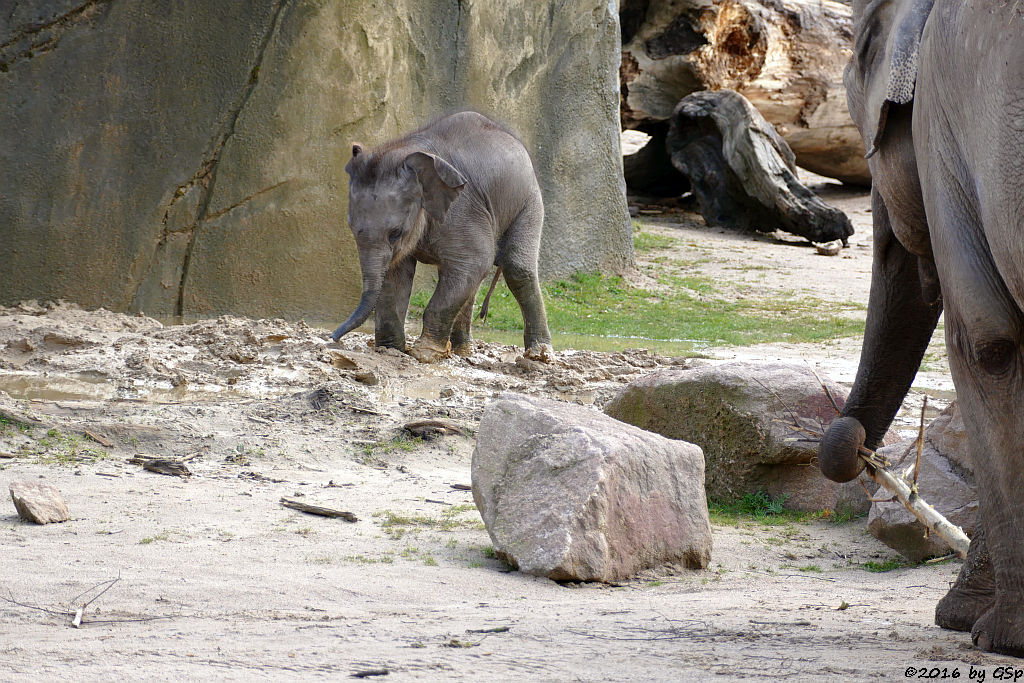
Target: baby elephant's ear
{"x": 357, "y": 149}
{"x": 440, "y": 181}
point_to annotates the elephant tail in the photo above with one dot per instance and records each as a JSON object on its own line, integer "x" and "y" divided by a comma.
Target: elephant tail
{"x": 487, "y": 299}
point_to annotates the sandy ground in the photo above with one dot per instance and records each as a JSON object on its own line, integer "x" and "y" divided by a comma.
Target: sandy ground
{"x": 217, "y": 580}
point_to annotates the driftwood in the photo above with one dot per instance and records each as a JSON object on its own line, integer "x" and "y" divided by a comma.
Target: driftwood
{"x": 428, "y": 429}
{"x": 318, "y": 510}
{"x": 785, "y": 56}
{"x": 743, "y": 173}
{"x": 174, "y": 467}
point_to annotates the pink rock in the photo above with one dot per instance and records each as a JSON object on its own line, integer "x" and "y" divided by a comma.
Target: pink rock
{"x": 572, "y": 494}
{"x": 38, "y": 502}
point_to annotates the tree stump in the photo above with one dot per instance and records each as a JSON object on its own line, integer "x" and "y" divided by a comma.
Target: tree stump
{"x": 785, "y": 56}
{"x": 743, "y": 173}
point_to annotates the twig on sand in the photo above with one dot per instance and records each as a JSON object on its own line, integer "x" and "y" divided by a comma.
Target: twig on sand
{"x": 318, "y": 510}
{"x": 77, "y": 615}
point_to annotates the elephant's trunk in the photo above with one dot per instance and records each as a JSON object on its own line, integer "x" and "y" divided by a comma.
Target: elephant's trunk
{"x": 900, "y": 322}
{"x": 359, "y": 316}
{"x": 373, "y": 265}
{"x": 838, "y": 454}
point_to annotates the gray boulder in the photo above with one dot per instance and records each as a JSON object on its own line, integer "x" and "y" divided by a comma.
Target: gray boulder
{"x": 198, "y": 168}
{"x": 569, "y": 493}
{"x": 743, "y": 416}
{"x": 38, "y": 502}
{"x": 945, "y": 479}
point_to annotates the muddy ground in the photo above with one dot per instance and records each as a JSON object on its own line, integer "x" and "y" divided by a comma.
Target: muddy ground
{"x": 216, "y": 579}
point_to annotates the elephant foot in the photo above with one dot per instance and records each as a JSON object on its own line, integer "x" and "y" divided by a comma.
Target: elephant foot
{"x": 427, "y": 350}
{"x": 974, "y": 591}
{"x": 465, "y": 349}
{"x": 1001, "y": 629}
{"x": 960, "y": 609}
{"x": 542, "y": 352}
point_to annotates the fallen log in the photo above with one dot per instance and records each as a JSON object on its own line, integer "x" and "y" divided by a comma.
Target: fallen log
{"x": 310, "y": 509}
{"x": 742, "y": 172}
{"x": 785, "y": 56}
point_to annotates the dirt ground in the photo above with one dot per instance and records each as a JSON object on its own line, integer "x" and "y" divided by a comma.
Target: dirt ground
{"x": 217, "y": 579}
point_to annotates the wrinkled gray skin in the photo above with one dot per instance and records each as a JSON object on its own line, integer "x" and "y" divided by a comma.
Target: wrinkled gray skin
{"x": 460, "y": 193}
{"x": 948, "y": 208}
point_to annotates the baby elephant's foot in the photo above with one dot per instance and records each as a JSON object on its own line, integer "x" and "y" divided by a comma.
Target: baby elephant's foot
{"x": 542, "y": 352}
{"x": 465, "y": 349}
{"x": 427, "y": 350}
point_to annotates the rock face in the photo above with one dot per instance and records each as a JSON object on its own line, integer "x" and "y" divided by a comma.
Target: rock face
{"x": 742, "y": 173}
{"x": 786, "y": 56}
{"x": 945, "y": 479}
{"x": 197, "y": 168}
{"x": 38, "y": 502}
{"x": 571, "y": 494}
{"x": 740, "y": 415}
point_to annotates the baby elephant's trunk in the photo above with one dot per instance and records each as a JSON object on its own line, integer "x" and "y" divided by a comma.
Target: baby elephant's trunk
{"x": 359, "y": 316}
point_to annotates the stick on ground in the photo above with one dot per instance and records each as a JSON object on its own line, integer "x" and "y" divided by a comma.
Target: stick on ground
{"x": 318, "y": 510}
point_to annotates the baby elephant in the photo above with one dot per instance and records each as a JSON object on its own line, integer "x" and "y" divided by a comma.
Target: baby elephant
{"x": 460, "y": 193}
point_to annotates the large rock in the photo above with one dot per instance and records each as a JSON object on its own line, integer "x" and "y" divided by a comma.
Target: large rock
{"x": 569, "y": 493}
{"x": 945, "y": 479}
{"x": 785, "y": 56}
{"x": 197, "y": 168}
{"x": 743, "y": 416}
{"x": 38, "y": 502}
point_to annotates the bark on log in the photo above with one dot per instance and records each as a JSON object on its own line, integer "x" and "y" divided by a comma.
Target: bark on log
{"x": 785, "y": 56}
{"x": 742, "y": 173}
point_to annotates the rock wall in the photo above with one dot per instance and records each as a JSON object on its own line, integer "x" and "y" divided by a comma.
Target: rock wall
{"x": 188, "y": 159}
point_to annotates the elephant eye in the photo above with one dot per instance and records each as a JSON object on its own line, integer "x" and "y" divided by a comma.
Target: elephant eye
{"x": 394, "y": 235}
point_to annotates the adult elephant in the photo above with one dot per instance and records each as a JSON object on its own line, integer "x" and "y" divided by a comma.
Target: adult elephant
{"x": 937, "y": 90}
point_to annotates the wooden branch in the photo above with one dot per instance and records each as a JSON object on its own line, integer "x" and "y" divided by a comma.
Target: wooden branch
{"x": 430, "y": 428}
{"x": 318, "y": 510}
{"x": 174, "y": 467}
{"x": 925, "y": 513}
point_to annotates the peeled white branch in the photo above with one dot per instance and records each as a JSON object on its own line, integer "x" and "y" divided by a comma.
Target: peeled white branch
{"x": 925, "y": 513}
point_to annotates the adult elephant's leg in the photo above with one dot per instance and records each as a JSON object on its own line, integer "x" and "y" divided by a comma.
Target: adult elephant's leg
{"x": 983, "y": 332}
{"x": 985, "y": 340}
{"x": 900, "y": 323}
{"x": 974, "y": 591}
{"x": 393, "y": 305}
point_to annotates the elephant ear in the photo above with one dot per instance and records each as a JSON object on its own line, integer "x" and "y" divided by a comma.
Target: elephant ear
{"x": 441, "y": 182}
{"x": 888, "y": 43}
{"x": 357, "y": 152}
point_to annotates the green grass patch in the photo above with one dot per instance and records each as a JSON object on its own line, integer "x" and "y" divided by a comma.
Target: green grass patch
{"x": 886, "y": 565}
{"x": 756, "y": 506}
{"x": 688, "y": 313}
{"x": 397, "y": 525}
{"x": 644, "y": 242}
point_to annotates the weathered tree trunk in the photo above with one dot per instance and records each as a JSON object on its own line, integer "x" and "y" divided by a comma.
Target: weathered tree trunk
{"x": 785, "y": 56}
{"x": 743, "y": 173}
{"x": 649, "y": 171}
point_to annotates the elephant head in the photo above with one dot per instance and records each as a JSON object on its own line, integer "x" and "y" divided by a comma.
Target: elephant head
{"x": 905, "y": 301}
{"x": 393, "y": 193}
